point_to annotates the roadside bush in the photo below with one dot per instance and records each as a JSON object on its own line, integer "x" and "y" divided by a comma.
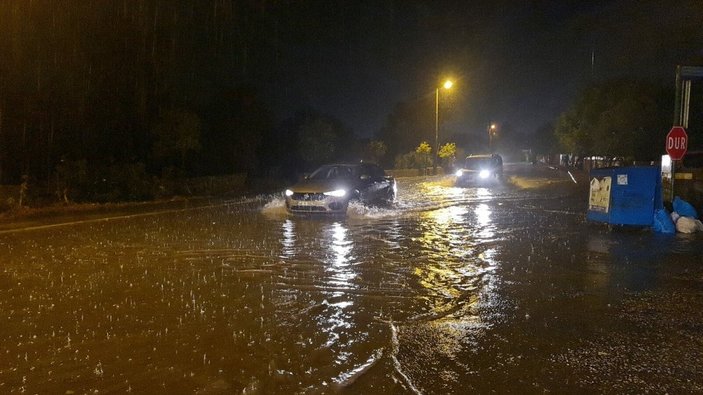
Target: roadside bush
{"x": 71, "y": 180}
{"x": 166, "y": 185}
{"x": 8, "y": 204}
{"x": 406, "y": 161}
{"x": 132, "y": 181}
{"x": 117, "y": 182}
{"x": 412, "y": 160}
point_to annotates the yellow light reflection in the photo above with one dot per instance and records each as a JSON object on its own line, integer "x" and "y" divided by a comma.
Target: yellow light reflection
{"x": 458, "y": 265}
{"x": 483, "y": 192}
{"x": 340, "y": 247}
{"x": 441, "y": 231}
{"x": 483, "y": 214}
{"x": 335, "y": 321}
{"x": 444, "y": 237}
{"x": 449, "y": 215}
{"x": 288, "y": 239}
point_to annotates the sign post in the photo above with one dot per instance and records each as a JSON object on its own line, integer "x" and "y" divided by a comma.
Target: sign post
{"x": 676, "y": 146}
{"x": 677, "y": 143}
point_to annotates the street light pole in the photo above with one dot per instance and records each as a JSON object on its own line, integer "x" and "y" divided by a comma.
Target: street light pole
{"x": 491, "y": 131}
{"x": 436, "y": 131}
{"x": 447, "y": 85}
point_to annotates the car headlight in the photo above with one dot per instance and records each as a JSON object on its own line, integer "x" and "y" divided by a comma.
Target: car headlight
{"x": 336, "y": 193}
{"x": 484, "y": 173}
{"x": 459, "y": 173}
{"x": 289, "y": 193}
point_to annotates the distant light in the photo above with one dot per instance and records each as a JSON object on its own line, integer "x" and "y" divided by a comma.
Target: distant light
{"x": 493, "y": 126}
{"x": 448, "y": 84}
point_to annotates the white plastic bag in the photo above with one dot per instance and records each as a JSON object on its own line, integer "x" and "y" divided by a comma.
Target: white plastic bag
{"x": 688, "y": 225}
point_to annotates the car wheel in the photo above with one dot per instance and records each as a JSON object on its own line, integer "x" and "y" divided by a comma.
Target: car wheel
{"x": 356, "y": 195}
{"x": 340, "y": 207}
{"x": 389, "y": 195}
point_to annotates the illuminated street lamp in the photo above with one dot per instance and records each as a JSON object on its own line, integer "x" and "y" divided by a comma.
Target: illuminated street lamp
{"x": 447, "y": 85}
{"x": 491, "y": 133}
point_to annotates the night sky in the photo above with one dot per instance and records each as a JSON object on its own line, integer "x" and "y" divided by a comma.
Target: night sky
{"x": 515, "y": 62}
{"x": 95, "y": 80}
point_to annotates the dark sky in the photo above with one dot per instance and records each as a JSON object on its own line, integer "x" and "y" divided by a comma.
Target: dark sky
{"x": 515, "y": 62}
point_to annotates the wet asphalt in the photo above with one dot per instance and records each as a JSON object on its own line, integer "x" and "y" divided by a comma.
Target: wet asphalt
{"x": 501, "y": 288}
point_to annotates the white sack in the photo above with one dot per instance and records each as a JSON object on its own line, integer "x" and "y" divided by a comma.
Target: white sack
{"x": 688, "y": 225}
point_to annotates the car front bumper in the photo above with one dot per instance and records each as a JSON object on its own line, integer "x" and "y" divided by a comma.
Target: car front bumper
{"x": 473, "y": 178}
{"x": 316, "y": 203}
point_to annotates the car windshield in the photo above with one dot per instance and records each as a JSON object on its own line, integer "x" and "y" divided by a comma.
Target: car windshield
{"x": 477, "y": 163}
{"x": 330, "y": 172}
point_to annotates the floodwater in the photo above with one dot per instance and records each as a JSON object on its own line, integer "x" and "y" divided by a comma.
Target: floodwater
{"x": 451, "y": 290}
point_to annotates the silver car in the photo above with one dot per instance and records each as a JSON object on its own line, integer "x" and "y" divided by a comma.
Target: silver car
{"x": 330, "y": 188}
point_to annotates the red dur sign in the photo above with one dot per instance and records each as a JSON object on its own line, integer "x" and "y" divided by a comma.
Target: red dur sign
{"x": 676, "y": 143}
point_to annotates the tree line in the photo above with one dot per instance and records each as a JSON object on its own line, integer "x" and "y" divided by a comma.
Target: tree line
{"x": 100, "y": 100}
{"x": 103, "y": 100}
{"x": 100, "y": 97}
{"x": 618, "y": 118}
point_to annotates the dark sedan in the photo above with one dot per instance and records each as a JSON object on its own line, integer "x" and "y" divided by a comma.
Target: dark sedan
{"x": 330, "y": 188}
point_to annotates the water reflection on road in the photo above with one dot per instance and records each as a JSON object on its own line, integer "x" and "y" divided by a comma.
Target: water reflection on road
{"x": 425, "y": 267}
{"x": 450, "y": 290}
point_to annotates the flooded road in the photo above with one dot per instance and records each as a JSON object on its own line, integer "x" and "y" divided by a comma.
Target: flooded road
{"x": 452, "y": 290}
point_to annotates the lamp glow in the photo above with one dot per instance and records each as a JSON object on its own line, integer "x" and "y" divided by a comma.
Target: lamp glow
{"x": 336, "y": 193}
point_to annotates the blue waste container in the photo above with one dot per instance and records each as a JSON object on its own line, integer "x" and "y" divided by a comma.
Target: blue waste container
{"x": 624, "y": 195}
